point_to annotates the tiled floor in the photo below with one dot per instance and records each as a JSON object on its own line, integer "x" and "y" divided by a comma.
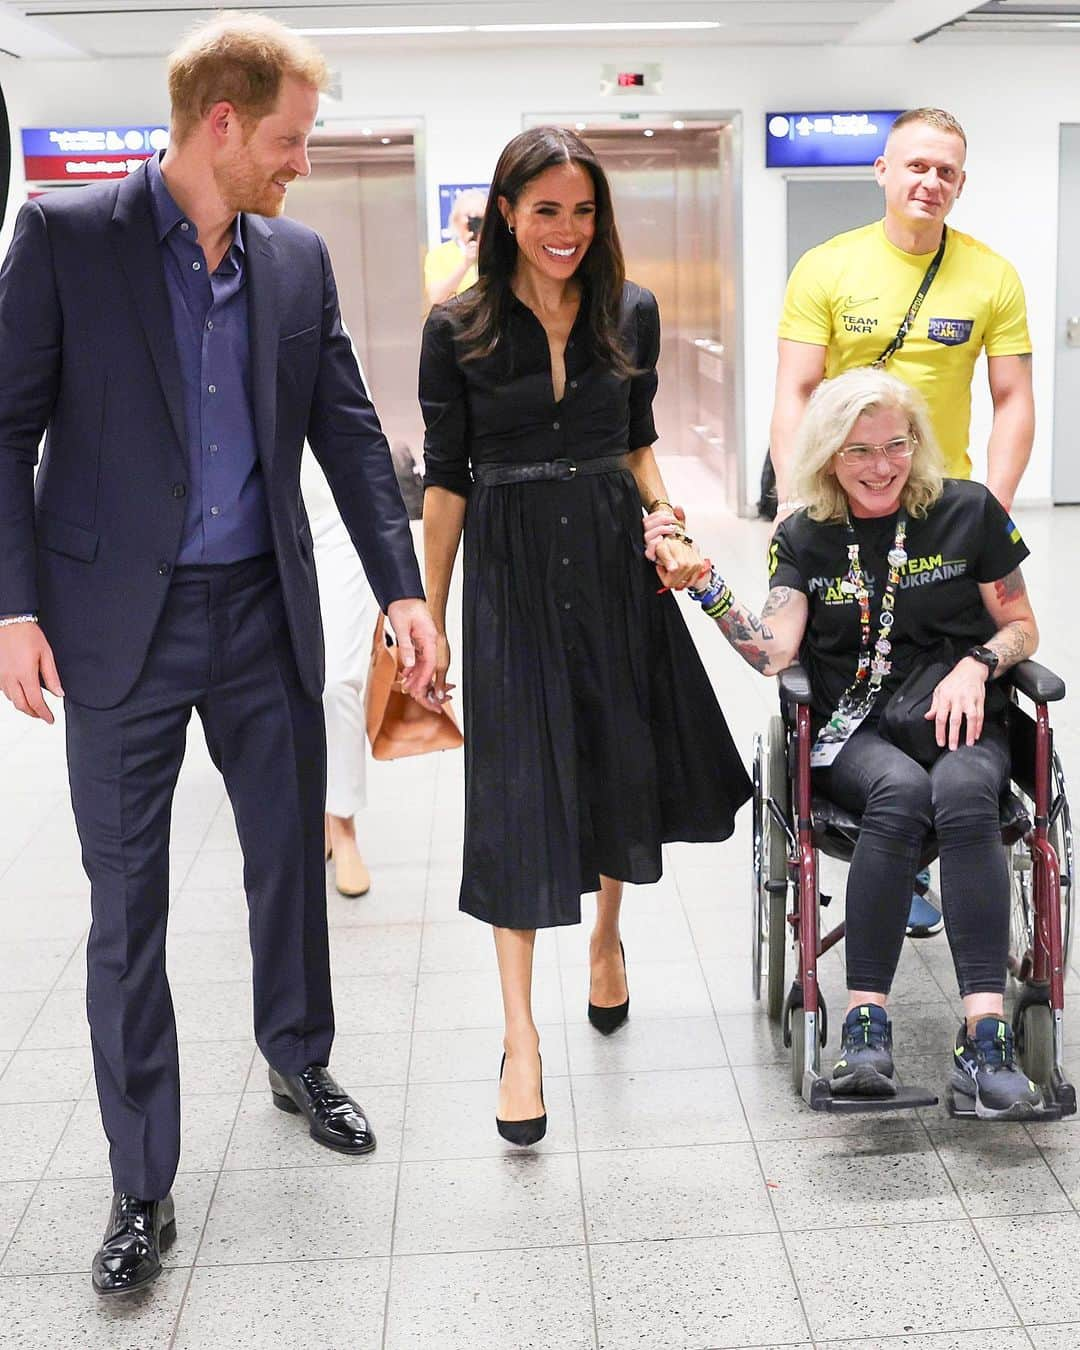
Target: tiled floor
{"x": 683, "y": 1198}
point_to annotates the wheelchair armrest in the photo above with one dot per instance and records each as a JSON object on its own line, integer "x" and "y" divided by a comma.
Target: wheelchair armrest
{"x": 1037, "y": 682}
{"x": 794, "y": 684}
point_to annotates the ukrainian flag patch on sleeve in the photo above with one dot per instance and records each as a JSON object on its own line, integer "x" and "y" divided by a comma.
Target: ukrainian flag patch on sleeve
{"x": 1015, "y": 536}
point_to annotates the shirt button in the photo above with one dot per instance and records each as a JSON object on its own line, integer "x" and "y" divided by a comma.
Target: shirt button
{"x": 178, "y": 489}
{"x": 209, "y": 325}
{"x": 573, "y": 384}
{"x": 566, "y": 562}
{"x": 196, "y": 266}
{"x": 215, "y": 510}
{"x": 564, "y": 520}
{"x": 163, "y": 569}
{"x": 211, "y": 388}
{"x": 213, "y": 448}
{"x": 566, "y": 604}
{"x": 555, "y": 426}
{"x": 184, "y": 225}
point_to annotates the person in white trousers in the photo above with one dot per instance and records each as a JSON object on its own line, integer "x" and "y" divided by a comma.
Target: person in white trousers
{"x": 349, "y": 611}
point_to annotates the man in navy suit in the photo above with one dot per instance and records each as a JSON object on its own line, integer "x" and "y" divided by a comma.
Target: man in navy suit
{"x": 177, "y": 347}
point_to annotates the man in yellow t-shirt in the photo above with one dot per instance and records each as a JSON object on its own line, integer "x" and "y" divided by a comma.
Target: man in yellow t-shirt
{"x": 846, "y": 299}
{"x": 450, "y": 268}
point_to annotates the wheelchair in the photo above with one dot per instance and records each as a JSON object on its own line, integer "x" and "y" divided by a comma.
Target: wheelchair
{"x": 791, "y": 825}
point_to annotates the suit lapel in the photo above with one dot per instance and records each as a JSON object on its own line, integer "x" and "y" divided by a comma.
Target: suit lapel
{"x": 140, "y": 259}
{"x": 260, "y": 260}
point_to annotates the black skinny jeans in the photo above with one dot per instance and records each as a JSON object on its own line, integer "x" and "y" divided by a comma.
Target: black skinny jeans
{"x": 901, "y": 802}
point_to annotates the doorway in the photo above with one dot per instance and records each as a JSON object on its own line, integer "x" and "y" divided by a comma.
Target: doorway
{"x": 675, "y": 185}
{"x": 1065, "y": 479}
{"x": 364, "y": 198}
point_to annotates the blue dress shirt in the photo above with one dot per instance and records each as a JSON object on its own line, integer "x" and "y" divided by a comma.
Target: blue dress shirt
{"x": 227, "y": 517}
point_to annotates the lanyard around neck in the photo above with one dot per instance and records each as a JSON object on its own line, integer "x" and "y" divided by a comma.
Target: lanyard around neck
{"x": 872, "y": 669}
{"x": 916, "y": 304}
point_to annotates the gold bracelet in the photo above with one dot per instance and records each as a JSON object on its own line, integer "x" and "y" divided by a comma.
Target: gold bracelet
{"x": 660, "y": 502}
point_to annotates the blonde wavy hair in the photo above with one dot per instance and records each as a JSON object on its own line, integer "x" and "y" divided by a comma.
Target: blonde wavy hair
{"x": 834, "y": 408}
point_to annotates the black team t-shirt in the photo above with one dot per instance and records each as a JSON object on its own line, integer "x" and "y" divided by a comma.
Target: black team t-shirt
{"x": 965, "y": 538}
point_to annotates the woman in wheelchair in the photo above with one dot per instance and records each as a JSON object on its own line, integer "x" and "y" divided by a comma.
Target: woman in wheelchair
{"x": 889, "y": 577}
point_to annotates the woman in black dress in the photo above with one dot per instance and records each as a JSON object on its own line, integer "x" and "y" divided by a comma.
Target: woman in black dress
{"x": 592, "y": 732}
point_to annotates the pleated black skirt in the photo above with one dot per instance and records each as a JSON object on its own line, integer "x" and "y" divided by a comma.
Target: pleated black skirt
{"x": 592, "y": 733}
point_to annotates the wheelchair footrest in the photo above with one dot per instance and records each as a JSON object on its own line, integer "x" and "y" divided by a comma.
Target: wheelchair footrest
{"x": 963, "y": 1108}
{"x": 906, "y": 1099}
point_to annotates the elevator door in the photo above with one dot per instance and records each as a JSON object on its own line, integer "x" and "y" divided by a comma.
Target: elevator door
{"x": 675, "y": 209}
{"x": 818, "y": 208}
{"x": 362, "y": 199}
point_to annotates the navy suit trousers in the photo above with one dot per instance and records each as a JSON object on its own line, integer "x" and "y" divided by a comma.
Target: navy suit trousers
{"x": 221, "y": 647}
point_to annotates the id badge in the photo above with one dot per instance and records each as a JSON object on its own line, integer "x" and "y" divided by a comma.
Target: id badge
{"x": 834, "y": 735}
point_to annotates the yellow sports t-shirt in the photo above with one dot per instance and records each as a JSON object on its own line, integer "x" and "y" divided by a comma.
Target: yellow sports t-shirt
{"x": 850, "y": 294}
{"x": 443, "y": 262}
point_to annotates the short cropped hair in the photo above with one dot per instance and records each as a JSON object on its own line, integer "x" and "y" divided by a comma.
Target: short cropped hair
{"x": 930, "y": 117}
{"x": 240, "y": 59}
{"x": 834, "y": 408}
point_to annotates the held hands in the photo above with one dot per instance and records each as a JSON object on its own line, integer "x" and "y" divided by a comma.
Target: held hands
{"x": 438, "y": 690}
{"x": 414, "y": 630}
{"x": 678, "y": 564}
{"x": 961, "y": 694}
{"x": 26, "y": 663}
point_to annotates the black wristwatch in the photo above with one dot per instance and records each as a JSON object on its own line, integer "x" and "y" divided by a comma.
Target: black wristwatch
{"x": 985, "y": 656}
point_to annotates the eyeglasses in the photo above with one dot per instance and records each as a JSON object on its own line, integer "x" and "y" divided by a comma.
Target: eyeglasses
{"x": 900, "y": 447}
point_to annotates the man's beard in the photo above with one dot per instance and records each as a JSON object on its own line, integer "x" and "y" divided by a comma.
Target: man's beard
{"x": 244, "y": 187}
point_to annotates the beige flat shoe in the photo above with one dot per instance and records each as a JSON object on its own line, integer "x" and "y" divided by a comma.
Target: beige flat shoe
{"x": 351, "y": 877}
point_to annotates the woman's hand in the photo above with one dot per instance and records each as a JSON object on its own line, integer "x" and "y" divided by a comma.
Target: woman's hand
{"x": 439, "y": 690}
{"x": 658, "y": 525}
{"x": 961, "y": 694}
{"x": 678, "y": 564}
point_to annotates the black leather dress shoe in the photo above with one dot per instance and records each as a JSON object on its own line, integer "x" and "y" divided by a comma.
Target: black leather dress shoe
{"x": 335, "y": 1119}
{"x": 138, "y": 1232}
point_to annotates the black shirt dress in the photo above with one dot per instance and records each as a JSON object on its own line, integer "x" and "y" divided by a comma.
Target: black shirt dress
{"x": 592, "y": 734}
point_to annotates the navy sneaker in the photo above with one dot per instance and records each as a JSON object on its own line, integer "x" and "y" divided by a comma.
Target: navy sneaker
{"x": 865, "y": 1066}
{"x": 924, "y": 919}
{"x": 985, "y": 1072}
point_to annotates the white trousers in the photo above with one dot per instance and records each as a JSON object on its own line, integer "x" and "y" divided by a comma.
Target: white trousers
{"x": 349, "y": 612}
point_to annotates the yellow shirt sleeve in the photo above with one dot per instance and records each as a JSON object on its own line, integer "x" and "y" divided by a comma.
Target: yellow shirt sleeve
{"x": 1007, "y": 330}
{"x": 807, "y": 315}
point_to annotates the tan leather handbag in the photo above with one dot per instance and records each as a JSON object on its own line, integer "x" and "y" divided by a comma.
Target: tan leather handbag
{"x": 396, "y": 724}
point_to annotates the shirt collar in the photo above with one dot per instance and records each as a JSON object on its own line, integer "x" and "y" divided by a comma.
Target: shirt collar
{"x": 167, "y": 214}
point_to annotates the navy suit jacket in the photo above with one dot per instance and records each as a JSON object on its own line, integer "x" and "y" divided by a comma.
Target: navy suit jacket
{"x": 87, "y": 354}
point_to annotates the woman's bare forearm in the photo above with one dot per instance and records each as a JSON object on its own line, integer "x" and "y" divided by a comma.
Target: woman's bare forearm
{"x": 444, "y": 519}
{"x": 769, "y": 641}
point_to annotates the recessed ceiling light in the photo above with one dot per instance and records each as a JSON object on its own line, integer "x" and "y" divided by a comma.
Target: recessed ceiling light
{"x": 401, "y": 31}
{"x": 648, "y": 133}
{"x": 620, "y": 26}
{"x": 366, "y": 131}
{"x": 677, "y": 125}
{"x": 580, "y": 126}
{"x": 386, "y": 140}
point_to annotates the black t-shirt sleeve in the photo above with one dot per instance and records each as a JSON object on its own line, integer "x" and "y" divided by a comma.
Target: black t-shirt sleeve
{"x": 445, "y": 408}
{"x": 642, "y": 429}
{"x": 784, "y": 567}
{"x": 1002, "y": 549}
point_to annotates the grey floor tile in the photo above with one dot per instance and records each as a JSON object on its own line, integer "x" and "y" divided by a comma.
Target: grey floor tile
{"x": 528, "y": 1300}
{"x": 30, "y": 1134}
{"x": 366, "y": 1003}
{"x": 337, "y": 1303}
{"x": 61, "y": 1022}
{"x": 695, "y": 1294}
{"x": 775, "y": 1111}
{"x": 14, "y": 1198}
{"x": 62, "y": 1312}
{"x": 728, "y": 982}
{"x": 294, "y": 1214}
{"x": 997, "y": 1170}
{"x": 208, "y": 911}
{"x": 646, "y": 1043}
{"x": 213, "y": 1012}
{"x": 17, "y": 1013}
{"x": 1036, "y": 1259}
{"x": 463, "y": 943}
{"x": 205, "y": 1125}
{"x": 473, "y": 1054}
{"x": 396, "y": 896}
{"x": 649, "y": 934}
{"x": 684, "y": 1106}
{"x": 840, "y": 1183}
{"x": 707, "y": 1191}
{"x": 46, "y": 1075}
{"x": 1066, "y": 1337}
{"x": 366, "y": 1057}
{"x": 948, "y": 1340}
{"x": 207, "y": 958}
{"x": 375, "y": 949}
{"x": 34, "y": 963}
{"x": 215, "y": 1068}
{"x": 5, "y": 1060}
{"x": 750, "y": 1038}
{"x": 457, "y": 1120}
{"x": 265, "y": 1137}
{"x": 63, "y": 1225}
{"x": 472, "y": 999}
{"x": 657, "y": 989}
{"x": 948, "y": 1282}
{"x": 1059, "y": 1146}
{"x": 474, "y": 1204}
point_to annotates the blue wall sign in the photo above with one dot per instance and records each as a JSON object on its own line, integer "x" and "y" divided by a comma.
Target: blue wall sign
{"x": 58, "y": 154}
{"x": 819, "y": 140}
{"x": 448, "y": 195}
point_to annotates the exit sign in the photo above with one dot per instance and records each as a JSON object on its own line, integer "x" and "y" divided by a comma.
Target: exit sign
{"x": 645, "y": 79}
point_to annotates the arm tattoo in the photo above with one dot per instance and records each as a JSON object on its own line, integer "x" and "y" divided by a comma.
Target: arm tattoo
{"x": 777, "y": 598}
{"x": 1010, "y": 587}
{"x": 745, "y": 631}
{"x": 1011, "y": 644}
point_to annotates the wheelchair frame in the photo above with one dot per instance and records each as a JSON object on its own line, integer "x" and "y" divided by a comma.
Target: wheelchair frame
{"x": 786, "y": 843}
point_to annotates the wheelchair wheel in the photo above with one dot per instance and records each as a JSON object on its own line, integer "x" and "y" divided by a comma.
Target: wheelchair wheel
{"x": 1035, "y": 1042}
{"x": 774, "y": 896}
{"x": 1021, "y": 918}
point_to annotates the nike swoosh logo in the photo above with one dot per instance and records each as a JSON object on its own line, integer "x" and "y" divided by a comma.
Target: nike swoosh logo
{"x": 852, "y": 303}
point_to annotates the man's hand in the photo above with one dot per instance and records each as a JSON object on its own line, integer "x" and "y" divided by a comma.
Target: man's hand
{"x": 414, "y": 629}
{"x": 26, "y": 663}
{"x": 960, "y": 695}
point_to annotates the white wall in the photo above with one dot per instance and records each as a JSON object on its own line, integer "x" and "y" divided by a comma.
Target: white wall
{"x": 1011, "y": 102}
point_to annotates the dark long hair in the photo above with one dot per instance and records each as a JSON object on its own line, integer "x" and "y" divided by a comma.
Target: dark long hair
{"x": 484, "y": 308}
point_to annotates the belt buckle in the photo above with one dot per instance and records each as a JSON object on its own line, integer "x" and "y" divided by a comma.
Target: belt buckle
{"x": 569, "y": 466}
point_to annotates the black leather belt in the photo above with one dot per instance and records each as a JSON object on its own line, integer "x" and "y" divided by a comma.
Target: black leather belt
{"x": 552, "y": 470}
